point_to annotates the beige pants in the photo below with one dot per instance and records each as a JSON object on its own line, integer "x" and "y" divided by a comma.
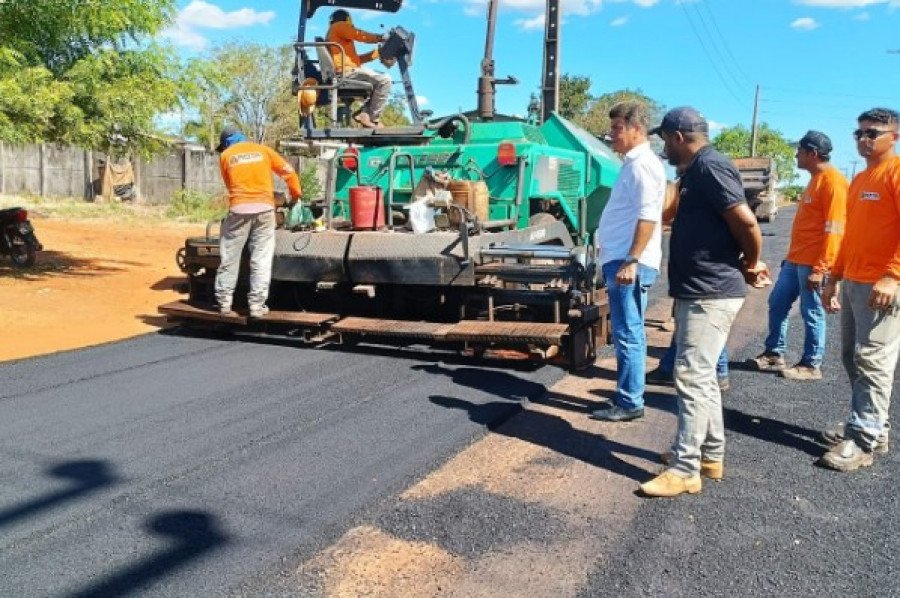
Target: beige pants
{"x": 870, "y": 344}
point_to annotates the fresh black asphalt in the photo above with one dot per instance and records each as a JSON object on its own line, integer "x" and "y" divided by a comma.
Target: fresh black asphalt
{"x": 173, "y": 465}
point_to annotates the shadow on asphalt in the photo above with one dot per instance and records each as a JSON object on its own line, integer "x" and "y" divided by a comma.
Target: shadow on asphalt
{"x": 556, "y": 434}
{"x": 190, "y": 534}
{"x": 83, "y": 477}
{"x": 495, "y": 382}
{"x": 774, "y": 431}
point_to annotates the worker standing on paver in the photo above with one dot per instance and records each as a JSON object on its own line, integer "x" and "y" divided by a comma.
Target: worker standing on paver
{"x": 815, "y": 239}
{"x": 863, "y": 286}
{"x": 629, "y": 239}
{"x": 714, "y": 252}
{"x": 247, "y": 170}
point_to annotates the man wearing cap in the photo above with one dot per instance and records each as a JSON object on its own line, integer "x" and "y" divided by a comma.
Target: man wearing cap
{"x": 347, "y": 62}
{"x": 247, "y": 170}
{"x": 629, "y": 240}
{"x": 815, "y": 240}
{"x": 714, "y": 253}
{"x": 863, "y": 286}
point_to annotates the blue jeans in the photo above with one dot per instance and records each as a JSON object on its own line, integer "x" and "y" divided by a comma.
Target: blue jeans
{"x": 667, "y": 363}
{"x": 627, "y": 307}
{"x": 791, "y": 284}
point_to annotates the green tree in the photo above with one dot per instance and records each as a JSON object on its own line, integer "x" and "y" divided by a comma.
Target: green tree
{"x": 735, "y": 142}
{"x": 574, "y": 96}
{"x": 596, "y": 119}
{"x": 89, "y": 66}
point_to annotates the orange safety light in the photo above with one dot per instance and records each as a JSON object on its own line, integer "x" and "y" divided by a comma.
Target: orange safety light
{"x": 350, "y": 159}
{"x": 506, "y": 154}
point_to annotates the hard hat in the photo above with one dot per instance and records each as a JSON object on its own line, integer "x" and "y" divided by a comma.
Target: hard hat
{"x": 306, "y": 98}
{"x": 339, "y": 15}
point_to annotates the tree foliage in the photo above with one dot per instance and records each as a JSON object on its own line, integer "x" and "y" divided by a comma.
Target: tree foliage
{"x": 735, "y": 142}
{"x": 84, "y": 72}
{"x": 592, "y": 113}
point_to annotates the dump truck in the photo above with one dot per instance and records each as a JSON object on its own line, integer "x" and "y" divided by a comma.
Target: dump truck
{"x": 503, "y": 265}
{"x": 760, "y": 177}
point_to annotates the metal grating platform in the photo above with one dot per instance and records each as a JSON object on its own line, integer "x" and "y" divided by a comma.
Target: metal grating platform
{"x": 519, "y": 332}
{"x": 396, "y": 328}
{"x": 183, "y": 309}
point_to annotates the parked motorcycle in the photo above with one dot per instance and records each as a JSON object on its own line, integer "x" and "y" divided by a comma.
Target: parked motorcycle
{"x": 17, "y": 238}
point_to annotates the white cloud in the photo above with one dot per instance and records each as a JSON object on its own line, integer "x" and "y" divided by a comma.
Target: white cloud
{"x": 863, "y": 16}
{"x": 804, "y": 24}
{"x": 716, "y": 125}
{"x": 200, "y": 14}
{"x": 845, "y": 3}
{"x": 618, "y": 22}
{"x": 535, "y": 22}
{"x": 422, "y": 101}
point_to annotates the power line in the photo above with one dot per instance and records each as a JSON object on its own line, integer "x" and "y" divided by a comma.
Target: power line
{"x": 709, "y": 57}
{"x": 814, "y": 92}
{"x": 715, "y": 45}
{"x": 724, "y": 40}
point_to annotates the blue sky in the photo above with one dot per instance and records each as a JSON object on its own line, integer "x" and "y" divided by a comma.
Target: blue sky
{"x": 819, "y": 63}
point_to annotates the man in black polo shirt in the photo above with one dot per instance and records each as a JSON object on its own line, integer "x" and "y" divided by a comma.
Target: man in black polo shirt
{"x": 713, "y": 254}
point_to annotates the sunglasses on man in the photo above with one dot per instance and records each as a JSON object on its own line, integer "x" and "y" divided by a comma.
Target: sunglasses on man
{"x": 871, "y": 134}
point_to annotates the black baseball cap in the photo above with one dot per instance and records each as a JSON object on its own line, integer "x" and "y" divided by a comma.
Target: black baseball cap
{"x": 223, "y": 137}
{"x": 685, "y": 119}
{"x": 817, "y": 142}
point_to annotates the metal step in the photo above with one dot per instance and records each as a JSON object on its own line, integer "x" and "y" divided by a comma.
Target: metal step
{"x": 396, "y": 328}
{"x": 498, "y": 332}
{"x": 183, "y": 309}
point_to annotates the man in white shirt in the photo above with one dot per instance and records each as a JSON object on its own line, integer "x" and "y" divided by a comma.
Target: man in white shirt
{"x": 629, "y": 241}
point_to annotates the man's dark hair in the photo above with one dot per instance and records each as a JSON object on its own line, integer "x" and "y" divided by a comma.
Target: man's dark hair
{"x": 885, "y": 116}
{"x": 635, "y": 114}
{"x": 339, "y": 15}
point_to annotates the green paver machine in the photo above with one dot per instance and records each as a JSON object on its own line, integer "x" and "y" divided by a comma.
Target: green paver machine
{"x": 472, "y": 229}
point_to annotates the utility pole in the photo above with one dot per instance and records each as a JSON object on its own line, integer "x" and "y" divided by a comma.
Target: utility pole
{"x": 753, "y": 130}
{"x": 853, "y": 163}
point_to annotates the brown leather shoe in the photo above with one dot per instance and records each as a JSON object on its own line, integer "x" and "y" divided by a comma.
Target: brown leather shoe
{"x": 669, "y": 484}
{"x": 801, "y": 372}
{"x": 366, "y": 121}
{"x": 767, "y": 362}
{"x": 846, "y": 456}
{"x": 714, "y": 470}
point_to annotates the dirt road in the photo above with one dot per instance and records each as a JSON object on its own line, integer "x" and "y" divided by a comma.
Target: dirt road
{"x": 97, "y": 281}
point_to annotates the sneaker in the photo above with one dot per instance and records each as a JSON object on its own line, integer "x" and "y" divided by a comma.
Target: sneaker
{"x": 714, "y": 470}
{"x": 660, "y": 376}
{"x": 801, "y": 372}
{"x": 617, "y": 414}
{"x": 259, "y": 311}
{"x": 724, "y": 383}
{"x": 835, "y": 435}
{"x": 767, "y": 362}
{"x": 669, "y": 484}
{"x": 846, "y": 456}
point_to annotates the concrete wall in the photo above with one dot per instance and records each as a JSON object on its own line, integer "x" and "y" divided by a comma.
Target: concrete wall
{"x": 54, "y": 171}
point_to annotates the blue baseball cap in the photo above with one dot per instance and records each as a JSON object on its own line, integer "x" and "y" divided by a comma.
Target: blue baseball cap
{"x": 685, "y": 119}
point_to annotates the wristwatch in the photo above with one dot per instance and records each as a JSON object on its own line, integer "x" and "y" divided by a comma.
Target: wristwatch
{"x": 629, "y": 259}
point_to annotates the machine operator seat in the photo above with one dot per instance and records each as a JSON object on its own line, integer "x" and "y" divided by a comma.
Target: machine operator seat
{"x": 347, "y": 90}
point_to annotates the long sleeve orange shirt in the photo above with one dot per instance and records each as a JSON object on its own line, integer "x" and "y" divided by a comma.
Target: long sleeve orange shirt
{"x": 344, "y": 33}
{"x": 819, "y": 223}
{"x": 247, "y": 170}
{"x": 871, "y": 247}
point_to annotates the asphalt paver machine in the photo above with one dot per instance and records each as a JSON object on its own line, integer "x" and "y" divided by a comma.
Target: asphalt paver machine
{"x": 503, "y": 264}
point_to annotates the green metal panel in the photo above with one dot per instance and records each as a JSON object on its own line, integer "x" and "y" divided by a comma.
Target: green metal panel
{"x": 582, "y": 167}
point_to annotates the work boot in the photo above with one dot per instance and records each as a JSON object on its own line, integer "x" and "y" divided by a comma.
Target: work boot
{"x": 661, "y": 377}
{"x": 714, "y": 470}
{"x": 669, "y": 484}
{"x": 801, "y": 372}
{"x": 225, "y": 310}
{"x": 365, "y": 120}
{"x": 835, "y": 435}
{"x": 847, "y": 456}
{"x": 767, "y": 362}
{"x": 617, "y": 414}
{"x": 259, "y": 311}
